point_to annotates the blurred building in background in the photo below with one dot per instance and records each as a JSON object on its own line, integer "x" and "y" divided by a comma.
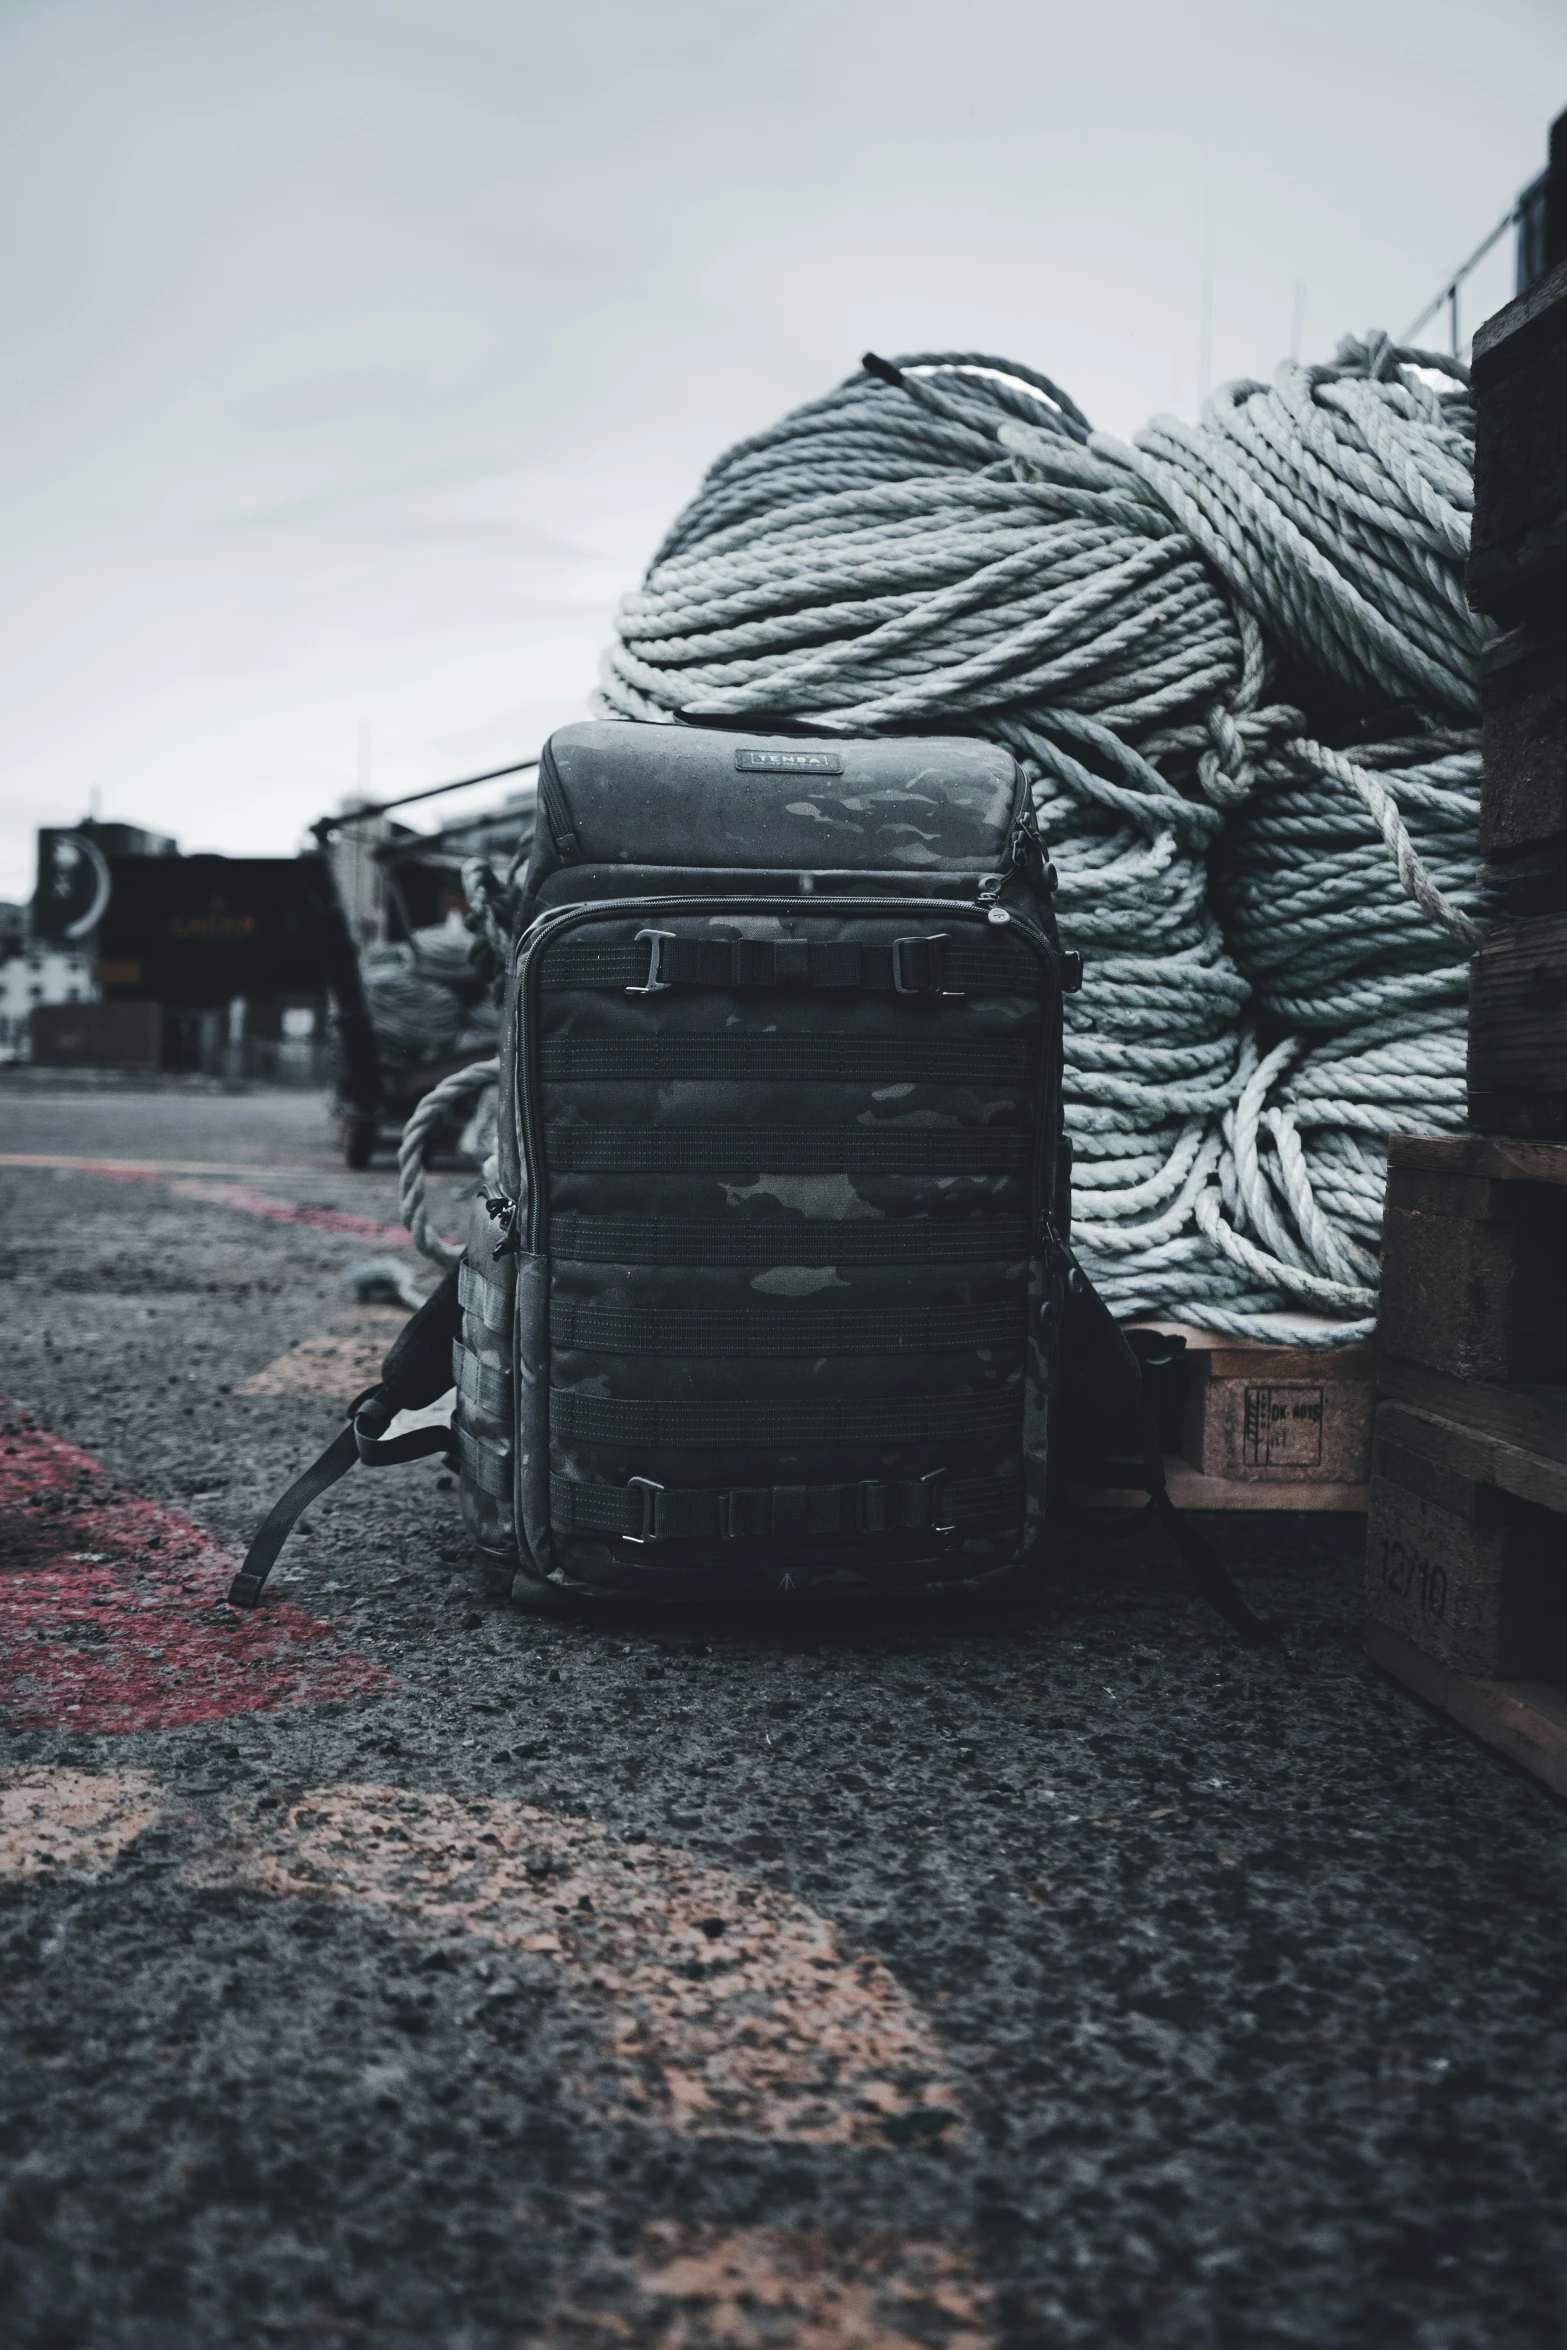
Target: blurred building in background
{"x": 133, "y": 956}
{"x": 31, "y": 976}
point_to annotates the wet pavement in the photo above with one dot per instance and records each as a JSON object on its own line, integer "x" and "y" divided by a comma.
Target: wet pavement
{"x": 391, "y": 1968}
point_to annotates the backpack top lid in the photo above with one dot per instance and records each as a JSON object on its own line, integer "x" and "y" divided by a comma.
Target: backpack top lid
{"x": 623, "y": 793}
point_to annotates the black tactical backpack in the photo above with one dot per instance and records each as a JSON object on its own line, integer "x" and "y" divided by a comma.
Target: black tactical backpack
{"x": 771, "y": 1290}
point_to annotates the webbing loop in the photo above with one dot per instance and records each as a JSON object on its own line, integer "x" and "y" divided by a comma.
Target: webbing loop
{"x": 784, "y": 1330}
{"x": 644, "y": 1511}
{"x": 820, "y": 1420}
{"x": 661, "y": 1059}
{"x": 925, "y": 964}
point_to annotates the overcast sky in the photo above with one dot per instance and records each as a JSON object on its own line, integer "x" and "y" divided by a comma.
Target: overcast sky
{"x": 355, "y": 352}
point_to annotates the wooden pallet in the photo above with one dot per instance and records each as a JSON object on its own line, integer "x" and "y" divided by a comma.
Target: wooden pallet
{"x": 1524, "y": 1719}
{"x": 1265, "y": 1428}
{"x": 1474, "y": 1279}
{"x": 1467, "y": 1528}
{"x": 1518, "y": 1026}
{"x": 1518, "y": 573}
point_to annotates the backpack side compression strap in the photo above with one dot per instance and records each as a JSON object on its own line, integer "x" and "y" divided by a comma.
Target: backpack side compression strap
{"x": 417, "y": 1371}
{"x": 274, "y": 1530}
{"x": 361, "y": 1440}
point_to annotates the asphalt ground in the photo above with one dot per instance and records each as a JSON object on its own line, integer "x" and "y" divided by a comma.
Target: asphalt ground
{"x": 389, "y": 1968}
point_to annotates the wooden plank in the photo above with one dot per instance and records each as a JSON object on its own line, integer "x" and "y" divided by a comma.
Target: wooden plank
{"x": 1533, "y": 1419}
{"x": 1526, "y": 1720}
{"x": 1191, "y": 1490}
{"x": 1534, "y": 322}
{"x": 1531, "y": 879}
{"x": 1482, "y": 1296}
{"x": 1518, "y": 1008}
{"x": 1281, "y": 1426}
{"x": 1519, "y": 541}
{"x": 1223, "y": 1357}
{"x": 1505, "y": 1160}
{"x": 1523, "y": 702}
{"x": 1318, "y": 1365}
{"x": 1421, "y": 1191}
{"x": 1271, "y": 1426}
{"x": 1515, "y": 1110}
{"x": 1482, "y": 1587}
{"x": 1470, "y": 1453}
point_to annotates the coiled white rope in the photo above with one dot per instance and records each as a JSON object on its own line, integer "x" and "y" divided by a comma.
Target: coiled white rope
{"x": 411, "y": 1201}
{"x": 423, "y": 996}
{"x": 943, "y": 543}
{"x": 1336, "y": 503}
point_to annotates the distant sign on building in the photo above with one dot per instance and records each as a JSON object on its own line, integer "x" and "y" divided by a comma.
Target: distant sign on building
{"x": 196, "y": 932}
{"x": 74, "y": 888}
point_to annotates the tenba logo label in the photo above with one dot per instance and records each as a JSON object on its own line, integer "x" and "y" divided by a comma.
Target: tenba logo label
{"x": 789, "y": 762}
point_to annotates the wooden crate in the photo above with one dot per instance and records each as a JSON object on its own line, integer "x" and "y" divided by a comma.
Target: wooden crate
{"x": 1518, "y": 549}
{"x": 1266, "y": 1427}
{"x": 1474, "y": 1275}
{"x": 1466, "y": 1546}
{"x": 1518, "y": 1030}
{"x": 1523, "y": 735}
{"x": 1467, "y": 1528}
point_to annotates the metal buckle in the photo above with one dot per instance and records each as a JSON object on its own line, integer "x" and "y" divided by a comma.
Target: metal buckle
{"x": 931, "y": 1479}
{"x": 655, "y": 983}
{"x": 901, "y": 982}
{"x": 862, "y": 1507}
{"x": 650, "y": 1491}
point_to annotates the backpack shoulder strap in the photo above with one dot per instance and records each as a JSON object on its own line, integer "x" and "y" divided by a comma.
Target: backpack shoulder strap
{"x": 417, "y": 1371}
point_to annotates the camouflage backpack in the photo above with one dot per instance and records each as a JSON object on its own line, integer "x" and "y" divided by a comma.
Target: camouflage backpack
{"x": 771, "y": 1290}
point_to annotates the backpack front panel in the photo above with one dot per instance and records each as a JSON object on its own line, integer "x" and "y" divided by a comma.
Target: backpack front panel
{"x": 785, "y": 1251}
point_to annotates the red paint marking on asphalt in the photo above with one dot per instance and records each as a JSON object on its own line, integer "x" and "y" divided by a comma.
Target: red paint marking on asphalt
{"x": 112, "y": 1614}
{"x": 73, "y": 1163}
{"x": 286, "y": 1211}
{"x": 250, "y": 1202}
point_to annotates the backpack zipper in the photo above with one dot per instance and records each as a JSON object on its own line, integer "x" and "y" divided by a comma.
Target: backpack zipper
{"x": 552, "y": 803}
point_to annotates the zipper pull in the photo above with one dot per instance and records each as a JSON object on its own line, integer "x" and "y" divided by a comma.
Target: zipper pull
{"x": 504, "y": 1213}
{"x": 1026, "y": 851}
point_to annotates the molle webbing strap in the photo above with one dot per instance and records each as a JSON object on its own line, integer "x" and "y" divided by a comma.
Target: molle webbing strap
{"x": 776, "y": 1240}
{"x": 783, "y": 1150}
{"x": 785, "y": 1330}
{"x": 487, "y": 1299}
{"x": 482, "y": 1384}
{"x": 816, "y": 1060}
{"x": 645, "y": 1512}
{"x": 657, "y": 1421}
{"x": 486, "y": 1463}
{"x": 933, "y": 965}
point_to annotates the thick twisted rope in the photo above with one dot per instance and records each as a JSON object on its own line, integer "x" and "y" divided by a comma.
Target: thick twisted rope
{"x": 942, "y": 542}
{"x": 411, "y": 1200}
{"x": 1336, "y": 503}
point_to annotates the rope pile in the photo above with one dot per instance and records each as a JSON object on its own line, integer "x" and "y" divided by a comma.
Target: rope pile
{"x": 423, "y": 996}
{"x": 942, "y": 543}
{"x": 480, "y": 1077}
